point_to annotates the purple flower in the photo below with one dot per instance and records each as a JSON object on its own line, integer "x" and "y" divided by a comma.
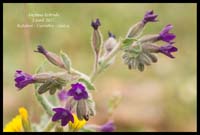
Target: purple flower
{"x": 62, "y": 95}
{"x": 78, "y": 91}
{"x": 62, "y": 114}
{"x": 111, "y": 35}
{"x": 165, "y": 35}
{"x": 149, "y": 17}
{"x": 96, "y": 24}
{"x": 108, "y": 127}
{"x": 167, "y": 49}
{"x": 22, "y": 79}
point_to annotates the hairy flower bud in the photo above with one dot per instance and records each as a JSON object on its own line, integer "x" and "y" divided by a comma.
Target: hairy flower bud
{"x": 138, "y": 55}
{"x": 110, "y": 47}
{"x": 135, "y": 30}
{"x": 149, "y": 38}
{"x": 150, "y": 47}
{"x": 52, "y": 57}
{"x": 42, "y": 77}
{"x": 110, "y": 43}
{"x": 96, "y": 38}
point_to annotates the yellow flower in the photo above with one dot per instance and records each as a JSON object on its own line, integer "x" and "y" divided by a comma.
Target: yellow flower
{"x": 15, "y": 125}
{"x": 19, "y": 123}
{"x": 24, "y": 114}
{"x": 77, "y": 124}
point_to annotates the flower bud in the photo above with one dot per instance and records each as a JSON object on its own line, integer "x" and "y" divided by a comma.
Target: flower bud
{"x": 150, "y": 47}
{"x": 42, "y": 77}
{"x": 149, "y": 38}
{"x": 110, "y": 43}
{"x": 52, "y": 57}
{"x": 135, "y": 30}
{"x": 96, "y": 38}
{"x": 138, "y": 55}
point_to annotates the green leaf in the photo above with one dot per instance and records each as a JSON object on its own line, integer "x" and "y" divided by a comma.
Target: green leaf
{"x": 66, "y": 60}
{"x": 137, "y": 49}
{"x": 89, "y": 85}
{"x": 40, "y": 68}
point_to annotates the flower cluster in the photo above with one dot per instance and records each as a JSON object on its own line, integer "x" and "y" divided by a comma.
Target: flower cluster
{"x": 77, "y": 101}
{"x": 138, "y": 52}
{"x": 77, "y": 105}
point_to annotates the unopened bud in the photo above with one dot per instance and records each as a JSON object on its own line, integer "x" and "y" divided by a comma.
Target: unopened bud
{"x": 150, "y": 47}
{"x": 52, "y": 57}
{"x": 135, "y": 30}
{"x": 96, "y": 37}
{"x": 42, "y": 77}
{"x": 110, "y": 43}
{"x": 149, "y": 39}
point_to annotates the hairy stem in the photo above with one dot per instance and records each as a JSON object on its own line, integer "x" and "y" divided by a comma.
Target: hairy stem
{"x": 44, "y": 103}
{"x": 105, "y": 61}
{"x": 49, "y": 126}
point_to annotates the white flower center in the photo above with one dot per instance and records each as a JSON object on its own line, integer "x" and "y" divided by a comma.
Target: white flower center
{"x": 78, "y": 91}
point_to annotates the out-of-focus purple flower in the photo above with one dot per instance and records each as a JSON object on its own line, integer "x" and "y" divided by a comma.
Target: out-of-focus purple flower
{"x": 167, "y": 50}
{"x": 108, "y": 127}
{"x": 78, "y": 91}
{"x": 149, "y": 17}
{"x": 95, "y": 24}
{"x": 111, "y": 34}
{"x": 22, "y": 79}
{"x": 62, "y": 114}
{"x": 62, "y": 95}
{"x": 165, "y": 35}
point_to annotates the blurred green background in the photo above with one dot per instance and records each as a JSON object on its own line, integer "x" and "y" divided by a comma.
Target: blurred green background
{"x": 162, "y": 98}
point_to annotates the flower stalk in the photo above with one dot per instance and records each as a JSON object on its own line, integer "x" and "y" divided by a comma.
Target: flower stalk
{"x": 49, "y": 126}
{"x": 104, "y": 62}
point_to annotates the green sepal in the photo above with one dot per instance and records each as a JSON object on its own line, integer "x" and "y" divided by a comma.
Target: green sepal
{"x": 127, "y": 42}
{"x": 66, "y": 60}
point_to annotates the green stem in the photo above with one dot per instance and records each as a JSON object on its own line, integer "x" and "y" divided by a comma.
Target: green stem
{"x": 45, "y": 103}
{"x": 104, "y": 62}
{"x": 59, "y": 128}
{"x": 49, "y": 126}
{"x": 74, "y": 71}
